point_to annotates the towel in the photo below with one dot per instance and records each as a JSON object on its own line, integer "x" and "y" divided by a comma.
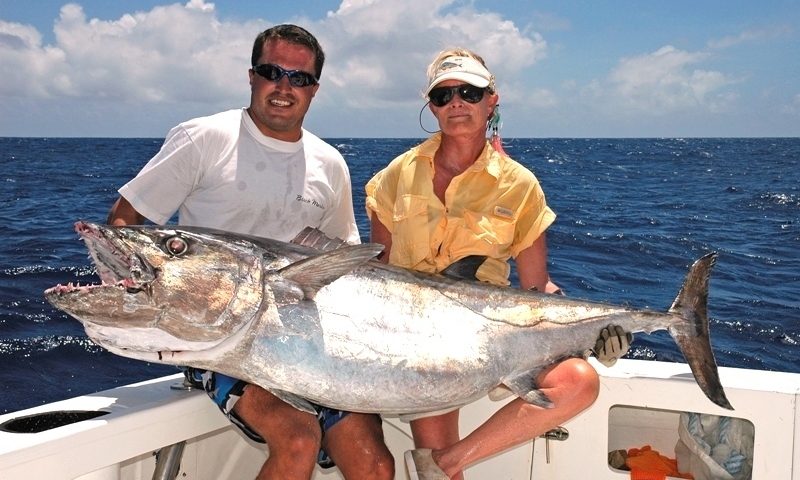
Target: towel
{"x": 647, "y": 464}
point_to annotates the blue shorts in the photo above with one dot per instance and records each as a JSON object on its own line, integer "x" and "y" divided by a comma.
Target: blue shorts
{"x": 225, "y": 391}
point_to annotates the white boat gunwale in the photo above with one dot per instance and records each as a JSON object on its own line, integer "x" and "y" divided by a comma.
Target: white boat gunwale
{"x": 147, "y": 416}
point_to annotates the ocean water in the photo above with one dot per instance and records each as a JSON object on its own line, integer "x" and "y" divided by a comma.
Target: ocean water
{"x": 632, "y": 216}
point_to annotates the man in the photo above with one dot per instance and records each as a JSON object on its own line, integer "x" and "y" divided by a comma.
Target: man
{"x": 257, "y": 171}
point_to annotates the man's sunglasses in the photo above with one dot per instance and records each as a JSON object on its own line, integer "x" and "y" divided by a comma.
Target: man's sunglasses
{"x": 274, "y": 73}
{"x": 441, "y": 96}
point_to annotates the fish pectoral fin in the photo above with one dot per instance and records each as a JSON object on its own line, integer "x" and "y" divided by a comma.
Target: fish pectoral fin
{"x": 297, "y": 402}
{"x": 499, "y": 392}
{"x": 313, "y": 273}
{"x": 524, "y": 386}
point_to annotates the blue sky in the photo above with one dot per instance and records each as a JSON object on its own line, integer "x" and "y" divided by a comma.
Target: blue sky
{"x": 564, "y": 68}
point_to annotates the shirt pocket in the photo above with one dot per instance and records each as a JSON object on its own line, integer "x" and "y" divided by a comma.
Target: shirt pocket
{"x": 497, "y": 232}
{"x": 410, "y": 232}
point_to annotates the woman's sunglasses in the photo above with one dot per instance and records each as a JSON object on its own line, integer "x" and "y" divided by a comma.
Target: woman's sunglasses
{"x": 274, "y": 73}
{"x": 441, "y": 96}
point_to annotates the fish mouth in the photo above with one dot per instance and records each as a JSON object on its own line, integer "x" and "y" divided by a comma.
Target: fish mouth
{"x": 161, "y": 289}
{"x": 116, "y": 263}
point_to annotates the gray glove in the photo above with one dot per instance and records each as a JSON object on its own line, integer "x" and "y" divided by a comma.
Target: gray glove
{"x": 612, "y": 344}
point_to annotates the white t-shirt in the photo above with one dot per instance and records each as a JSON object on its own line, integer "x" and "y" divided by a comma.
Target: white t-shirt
{"x": 221, "y": 172}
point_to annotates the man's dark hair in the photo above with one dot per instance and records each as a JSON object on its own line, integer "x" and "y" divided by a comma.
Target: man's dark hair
{"x": 292, "y": 34}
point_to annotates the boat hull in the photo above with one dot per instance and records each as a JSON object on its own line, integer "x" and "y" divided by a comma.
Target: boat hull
{"x": 639, "y": 404}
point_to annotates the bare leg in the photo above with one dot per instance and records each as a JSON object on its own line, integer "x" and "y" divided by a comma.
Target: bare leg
{"x": 356, "y": 445}
{"x": 293, "y": 436}
{"x": 437, "y": 432}
{"x": 572, "y": 385}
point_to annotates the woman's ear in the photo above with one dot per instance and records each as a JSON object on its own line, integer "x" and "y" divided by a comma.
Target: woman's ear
{"x": 494, "y": 100}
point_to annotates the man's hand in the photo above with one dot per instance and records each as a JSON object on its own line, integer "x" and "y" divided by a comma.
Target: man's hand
{"x": 612, "y": 344}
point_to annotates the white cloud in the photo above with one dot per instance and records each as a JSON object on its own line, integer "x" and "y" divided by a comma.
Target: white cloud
{"x": 383, "y": 47}
{"x": 170, "y": 54}
{"x": 23, "y": 61}
{"x": 180, "y": 56}
{"x": 668, "y": 80}
{"x": 793, "y": 106}
{"x": 748, "y": 36}
{"x": 523, "y": 96}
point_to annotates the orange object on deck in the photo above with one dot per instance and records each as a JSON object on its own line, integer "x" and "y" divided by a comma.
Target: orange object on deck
{"x": 647, "y": 464}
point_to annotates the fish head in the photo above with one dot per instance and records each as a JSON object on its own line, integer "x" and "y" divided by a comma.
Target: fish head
{"x": 164, "y": 288}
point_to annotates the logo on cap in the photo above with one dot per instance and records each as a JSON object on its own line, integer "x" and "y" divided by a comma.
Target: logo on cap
{"x": 448, "y": 64}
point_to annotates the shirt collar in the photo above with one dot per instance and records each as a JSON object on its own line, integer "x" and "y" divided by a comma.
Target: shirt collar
{"x": 489, "y": 159}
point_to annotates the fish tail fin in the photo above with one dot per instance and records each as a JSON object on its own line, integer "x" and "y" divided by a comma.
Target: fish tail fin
{"x": 692, "y": 336}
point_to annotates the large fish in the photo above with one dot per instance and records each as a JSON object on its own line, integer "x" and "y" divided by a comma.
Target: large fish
{"x": 329, "y": 324}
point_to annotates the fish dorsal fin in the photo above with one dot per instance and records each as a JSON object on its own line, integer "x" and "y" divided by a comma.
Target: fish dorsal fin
{"x": 465, "y": 268}
{"x": 315, "y": 272}
{"x": 314, "y": 238}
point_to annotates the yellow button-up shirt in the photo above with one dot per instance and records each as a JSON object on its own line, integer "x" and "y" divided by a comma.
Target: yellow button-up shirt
{"x": 495, "y": 208}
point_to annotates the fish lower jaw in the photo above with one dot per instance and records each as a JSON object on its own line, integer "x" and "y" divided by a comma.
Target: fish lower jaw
{"x": 146, "y": 343}
{"x": 127, "y": 284}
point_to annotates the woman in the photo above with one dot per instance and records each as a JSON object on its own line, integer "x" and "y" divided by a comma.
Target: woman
{"x": 456, "y": 195}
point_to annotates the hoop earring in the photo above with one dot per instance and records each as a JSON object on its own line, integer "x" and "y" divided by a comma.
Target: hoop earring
{"x": 420, "y": 118}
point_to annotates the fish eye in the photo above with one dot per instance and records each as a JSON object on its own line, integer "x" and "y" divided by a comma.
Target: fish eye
{"x": 176, "y": 245}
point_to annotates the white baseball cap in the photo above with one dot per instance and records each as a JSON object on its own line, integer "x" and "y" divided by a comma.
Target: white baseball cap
{"x": 466, "y": 69}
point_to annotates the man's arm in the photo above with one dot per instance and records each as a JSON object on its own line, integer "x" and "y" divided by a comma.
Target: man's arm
{"x": 123, "y": 213}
